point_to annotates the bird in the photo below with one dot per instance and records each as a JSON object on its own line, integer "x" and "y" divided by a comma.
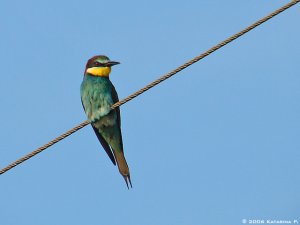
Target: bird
{"x": 98, "y": 94}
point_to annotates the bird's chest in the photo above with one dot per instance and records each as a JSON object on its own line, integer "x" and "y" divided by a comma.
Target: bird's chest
{"x": 96, "y": 99}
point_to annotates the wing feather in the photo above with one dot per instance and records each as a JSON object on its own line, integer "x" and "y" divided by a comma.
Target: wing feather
{"x": 105, "y": 145}
{"x": 115, "y": 100}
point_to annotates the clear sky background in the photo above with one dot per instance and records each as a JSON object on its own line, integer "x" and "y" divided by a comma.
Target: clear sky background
{"x": 215, "y": 144}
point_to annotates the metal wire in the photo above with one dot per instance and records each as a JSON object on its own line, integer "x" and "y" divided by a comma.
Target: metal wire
{"x": 154, "y": 83}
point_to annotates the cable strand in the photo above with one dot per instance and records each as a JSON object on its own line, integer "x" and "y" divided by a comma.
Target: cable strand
{"x": 205, "y": 54}
{"x": 151, "y": 85}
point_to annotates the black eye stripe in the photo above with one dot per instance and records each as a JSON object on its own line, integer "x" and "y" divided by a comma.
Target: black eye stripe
{"x": 99, "y": 64}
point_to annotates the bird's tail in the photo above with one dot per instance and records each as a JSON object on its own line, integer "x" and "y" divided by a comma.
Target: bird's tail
{"x": 123, "y": 167}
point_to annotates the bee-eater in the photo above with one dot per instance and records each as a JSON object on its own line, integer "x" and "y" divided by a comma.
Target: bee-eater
{"x": 98, "y": 95}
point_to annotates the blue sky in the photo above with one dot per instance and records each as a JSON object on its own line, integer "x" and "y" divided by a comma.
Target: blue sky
{"x": 215, "y": 144}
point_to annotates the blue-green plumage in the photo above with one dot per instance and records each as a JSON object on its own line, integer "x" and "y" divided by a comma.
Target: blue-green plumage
{"x": 98, "y": 95}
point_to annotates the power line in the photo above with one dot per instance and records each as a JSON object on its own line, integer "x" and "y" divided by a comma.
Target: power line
{"x": 154, "y": 83}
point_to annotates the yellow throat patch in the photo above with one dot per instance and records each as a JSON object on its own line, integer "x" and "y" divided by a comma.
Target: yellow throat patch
{"x": 99, "y": 71}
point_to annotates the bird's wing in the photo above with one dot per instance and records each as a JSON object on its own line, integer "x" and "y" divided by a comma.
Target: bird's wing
{"x": 116, "y": 99}
{"x": 105, "y": 145}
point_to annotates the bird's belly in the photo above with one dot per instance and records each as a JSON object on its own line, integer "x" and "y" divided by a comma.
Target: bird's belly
{"x": 106, "y": 122}
{"x": 98, "y": 106}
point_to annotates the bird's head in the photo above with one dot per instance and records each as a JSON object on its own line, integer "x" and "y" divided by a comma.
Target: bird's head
{"x": 99, "y": 65}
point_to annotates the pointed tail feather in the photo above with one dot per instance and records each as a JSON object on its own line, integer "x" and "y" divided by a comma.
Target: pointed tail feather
{"x": 123, "y": 167}
{"x": 127, "y": 180}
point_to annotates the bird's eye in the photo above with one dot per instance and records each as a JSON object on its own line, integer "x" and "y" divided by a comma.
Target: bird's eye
{"x": 97, "y": 64}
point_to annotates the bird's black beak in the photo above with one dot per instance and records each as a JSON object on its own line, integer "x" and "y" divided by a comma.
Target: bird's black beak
{"x": 112, "y": 63}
